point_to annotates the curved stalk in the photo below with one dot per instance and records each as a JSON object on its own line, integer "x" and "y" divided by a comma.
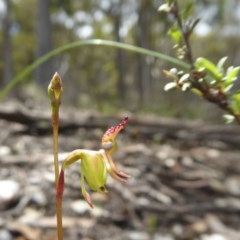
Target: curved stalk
{"x": 96, "y": 42}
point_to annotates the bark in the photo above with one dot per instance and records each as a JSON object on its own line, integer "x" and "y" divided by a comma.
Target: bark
{"x": 143, "y": 40}
{"x": 120, "y": 61}
{"x": 191, "y": 133}
{"x": 44, "y": 42}
{"x": 114, "y": 12}
{"x": 7, "y": 46}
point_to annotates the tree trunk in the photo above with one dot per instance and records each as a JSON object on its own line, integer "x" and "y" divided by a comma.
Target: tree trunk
{"x": 115, "y": 13}
{"x": 119, "y": 59}
{"x": 44, "y": 42}
{"x": 143, "y": 40}
{"x": 7, "y": 46}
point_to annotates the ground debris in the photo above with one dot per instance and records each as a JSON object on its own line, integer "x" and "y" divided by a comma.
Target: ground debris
{"x": 182, "y": 186}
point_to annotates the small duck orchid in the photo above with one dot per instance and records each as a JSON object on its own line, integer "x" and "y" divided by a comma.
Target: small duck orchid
{"x": 95, "y": 165}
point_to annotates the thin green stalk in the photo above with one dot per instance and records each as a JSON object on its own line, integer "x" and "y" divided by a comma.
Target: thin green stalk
{"x": 55, "y": 92}
{"x": 59, "y": 195}
{"x": 98, "y": 42}
{"x": 55, "y": 119}
{"x": 56, "y": 169}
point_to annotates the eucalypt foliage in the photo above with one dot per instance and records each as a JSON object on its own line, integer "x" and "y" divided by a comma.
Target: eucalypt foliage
{"x": 95, "y": 164}
{"x": 213, "y": 82}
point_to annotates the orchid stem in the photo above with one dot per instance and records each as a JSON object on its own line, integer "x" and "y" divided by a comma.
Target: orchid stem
{"x": 55, "y": 92}
{"x": 59, "y": 195}
{"x": 55, "y": 119}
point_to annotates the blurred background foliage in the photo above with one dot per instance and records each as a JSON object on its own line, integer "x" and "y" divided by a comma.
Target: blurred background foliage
{"x": 109, "y": 79}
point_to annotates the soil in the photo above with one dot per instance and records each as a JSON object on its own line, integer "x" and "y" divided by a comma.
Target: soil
{"x": 181, "y": 188}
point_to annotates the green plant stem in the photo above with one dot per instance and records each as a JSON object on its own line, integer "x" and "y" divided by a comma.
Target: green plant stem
{"x": 59, "y": 218}
{"x": 55, "y": 93}
{"x": 185, "y": 34}
{"x": 55, "y": 124}
{"x": 59, "y": 195}
{"x": 98, "y": 42}
{"x": 55, "y": 119}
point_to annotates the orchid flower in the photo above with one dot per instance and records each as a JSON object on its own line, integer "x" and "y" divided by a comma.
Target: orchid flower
{"x": 95, "y": 165}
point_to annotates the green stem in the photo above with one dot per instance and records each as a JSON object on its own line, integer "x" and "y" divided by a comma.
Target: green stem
{"x": 55, "y": 119}
{"x": 98, "y": 42}
{"x": 55, "y": 123}
{"x": 59, "y": 195}
{"x": 56, "y": 167}
{"x": 55, "y": 93}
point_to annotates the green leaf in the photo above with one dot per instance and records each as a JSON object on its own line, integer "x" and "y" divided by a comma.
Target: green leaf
{"x": 228, "y": 88}
{"x": 235, "y": 103}
{"x": 228, "y": 118}
{"x": 193, "y": 24}
{"x": 209, "y": 67}
{"x": 231, "y": 74}
{"x": 230, "y": 78}
{"x": 196, "y": 91}
{"x": 89, "y": 42}
{"x": 220, "y": 64}
{"x": 175, "y": 34}
{"x": 188, "y": 10}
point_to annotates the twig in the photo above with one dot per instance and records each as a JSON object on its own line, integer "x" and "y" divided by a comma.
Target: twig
{"x": 185, "y": 33}
{"x": 216, "y": 96}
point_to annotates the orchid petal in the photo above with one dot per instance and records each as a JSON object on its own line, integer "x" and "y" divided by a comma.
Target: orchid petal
{"x": 85, "y": 194}
{"x": 94, "y": 170}
{"x": 112, "y": 168}
{"x": 108, "y": 140}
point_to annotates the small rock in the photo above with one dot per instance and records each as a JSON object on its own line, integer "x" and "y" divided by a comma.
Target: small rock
{"x": 5, "y": 235}
{"x": 29, "y": 216}
{"x": 199, "y": 227}
{"x": 80, "y": 207}
{"x": 233, "y": 185}
{"x": 159, "y": 236}
{"x": 137, "y": 235}
{"x": 4, "y": 150}
{"x": 213, "y": 237}
{"x": 187, "y": 161}
{"x": 39, "y": 198}
{"x": 177, "y": 229}
{"x": 9, "y": 194}
{"x": 170, "y": 162}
